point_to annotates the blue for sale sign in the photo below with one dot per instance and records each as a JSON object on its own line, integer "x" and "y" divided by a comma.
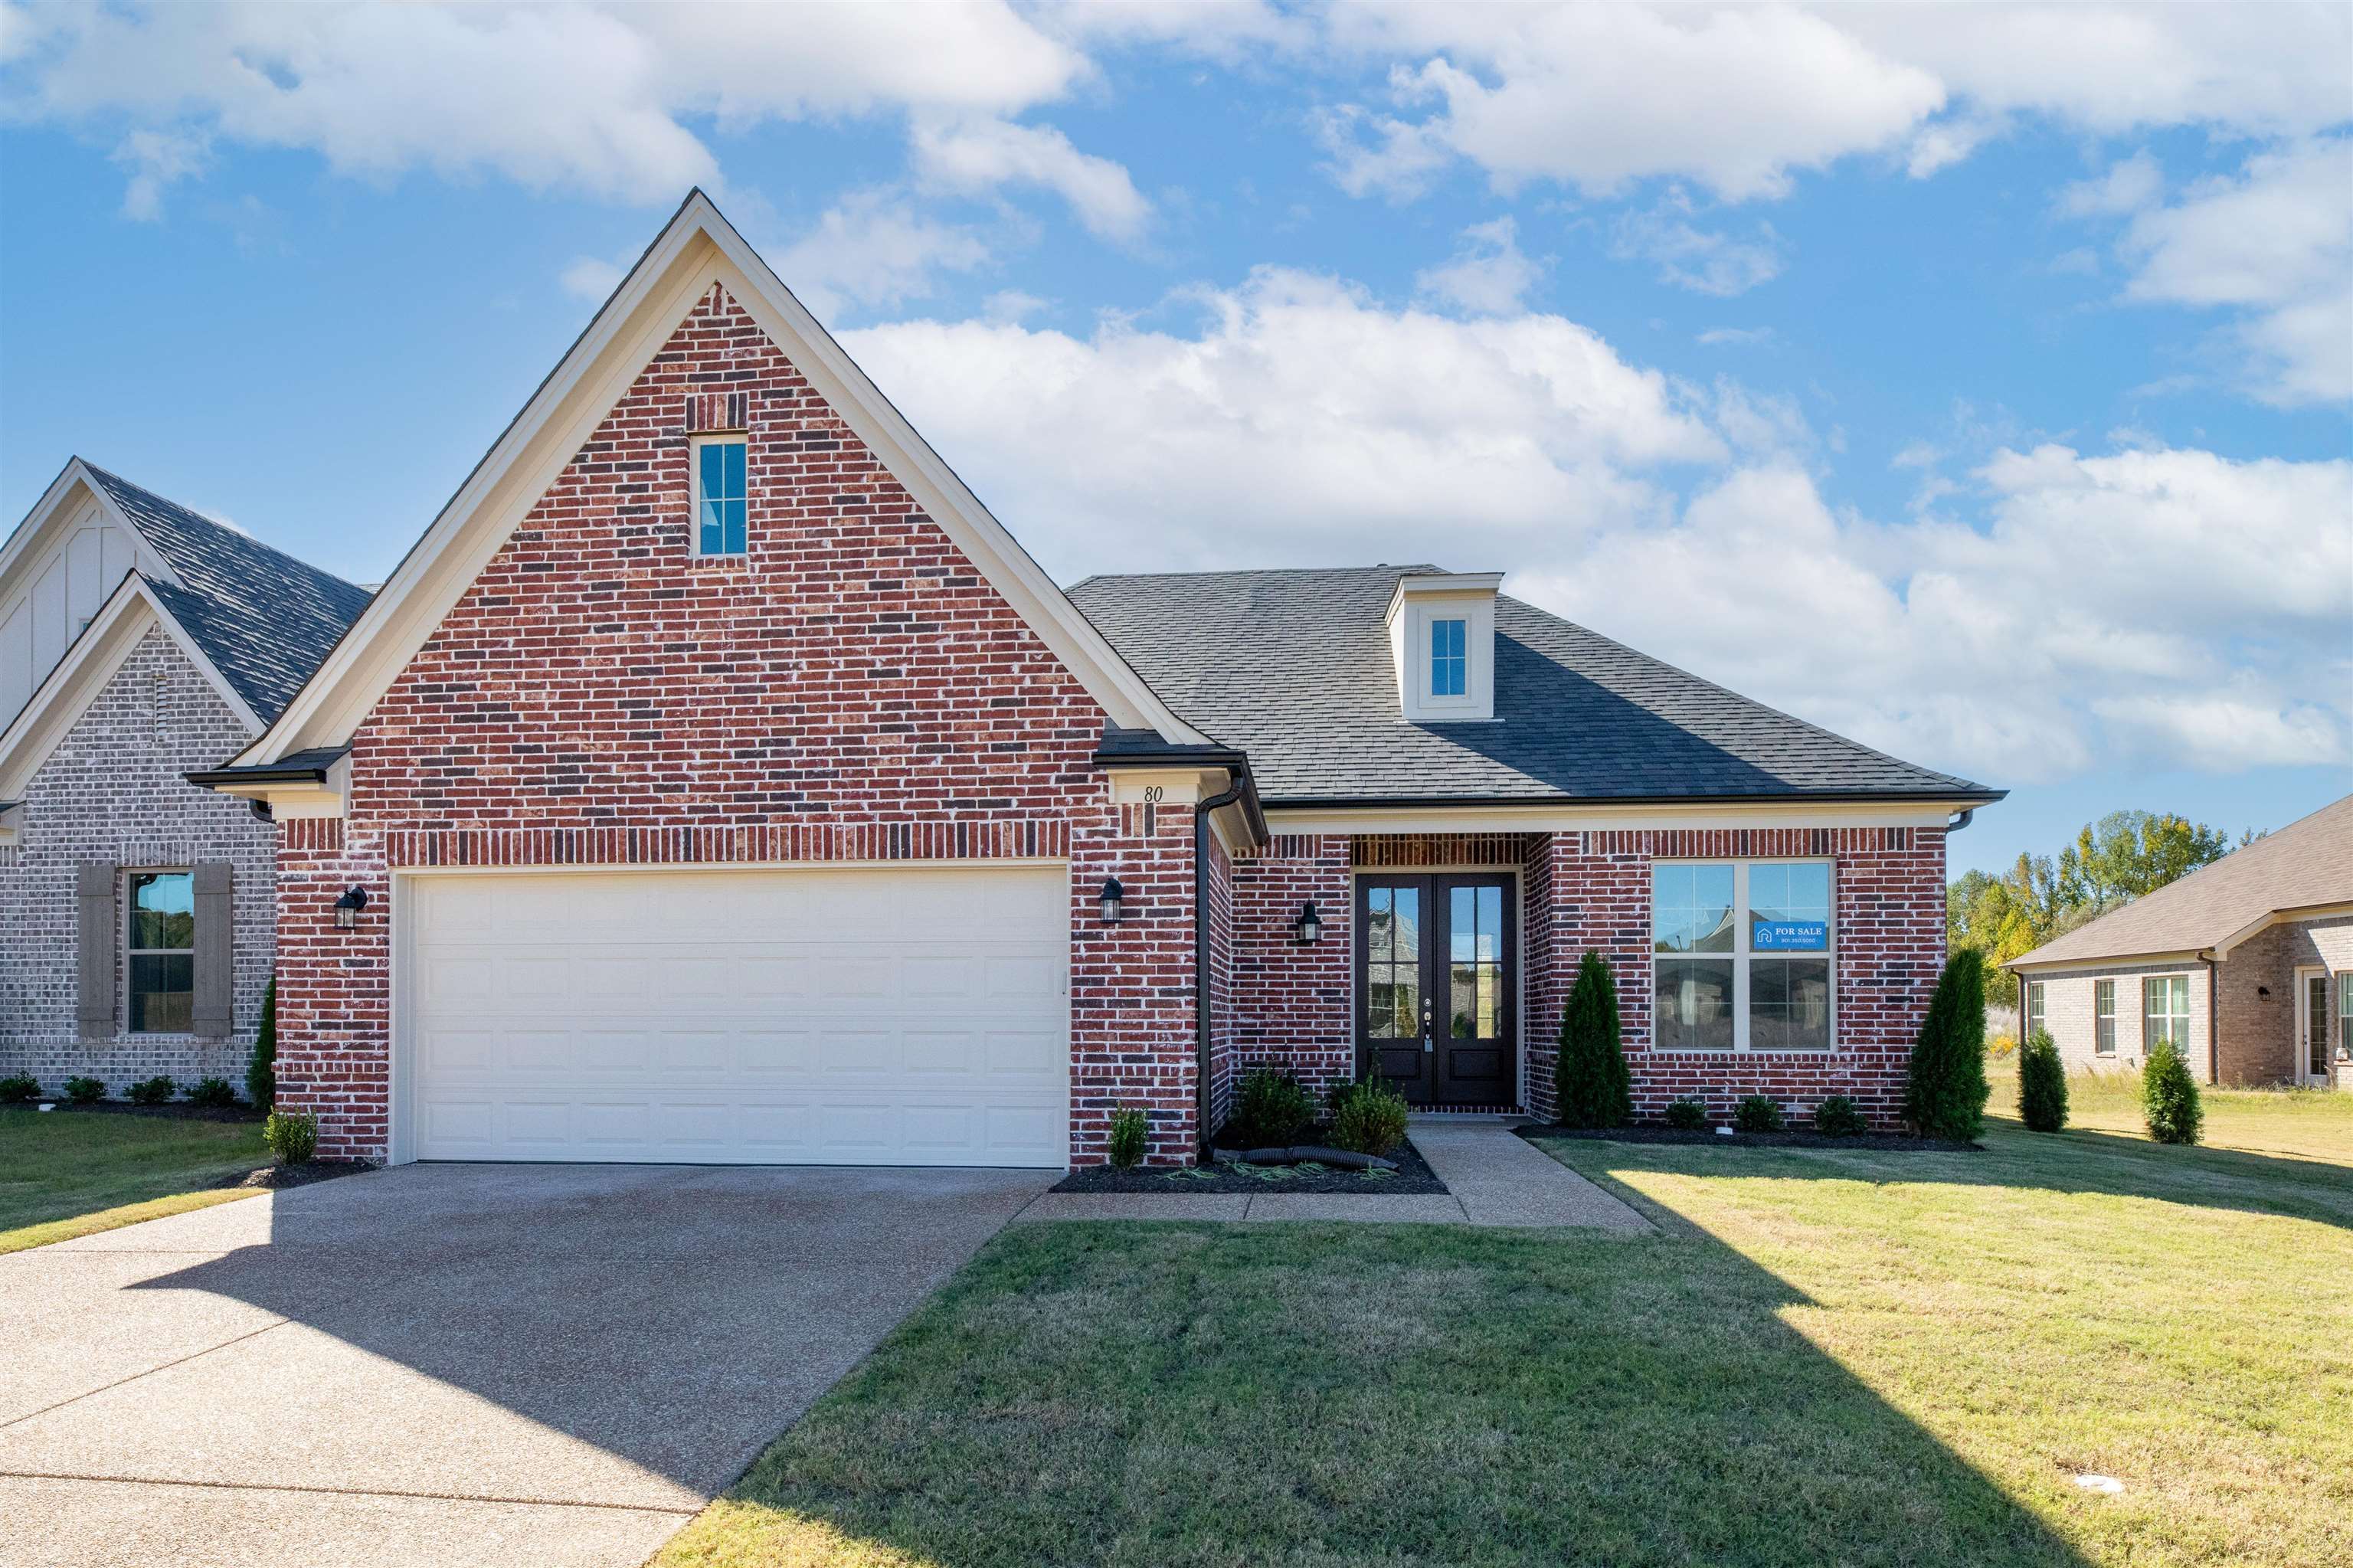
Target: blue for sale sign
{"x": 1790, "y": 935}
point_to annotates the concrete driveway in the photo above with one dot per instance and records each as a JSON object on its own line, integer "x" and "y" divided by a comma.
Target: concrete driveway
{"x": 450, "y": 1364}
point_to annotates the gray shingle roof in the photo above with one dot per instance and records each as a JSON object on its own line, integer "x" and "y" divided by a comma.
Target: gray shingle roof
{"x": 2308, "y": 864}
{"x": 264, "y": 619}
{"x": 1295, "y": 668}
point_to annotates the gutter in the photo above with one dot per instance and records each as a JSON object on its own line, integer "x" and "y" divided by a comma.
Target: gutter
{"x": 1973, "y": 798}
{"x": 1238, "y": 789}
{"x": 303, "y": 767}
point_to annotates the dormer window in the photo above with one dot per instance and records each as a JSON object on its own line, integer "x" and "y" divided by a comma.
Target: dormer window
{"x": 1447, "y": 675}
{"x": 722, "y": 522}
{"x": 1443, "y": 636}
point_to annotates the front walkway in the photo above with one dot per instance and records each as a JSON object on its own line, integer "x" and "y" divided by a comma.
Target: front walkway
{"x": 1493, "y": 1176}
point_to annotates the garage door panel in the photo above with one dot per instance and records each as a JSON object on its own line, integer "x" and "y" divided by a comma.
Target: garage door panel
{"x": 845, "y": 1016}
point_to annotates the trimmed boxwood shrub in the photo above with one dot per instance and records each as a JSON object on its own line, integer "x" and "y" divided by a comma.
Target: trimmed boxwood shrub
{"x": 1130, "y": 1130}
{"x": 261, "y": 1072}
{"x": 1269, "y": 1110}
{"x": 1592, "y": 1083}
{"x": 1368, "y": 1117}
{"x": 2042, "y": 1084}
{"x": 151, "y": 1091}
{"x": 1839, "y": 1117}
{"x": 293, "y": 1136}
{"x": 1944, "y": 1096}
{"x": 83, "y": 1091}
{"x": 215, "y": 1094}
{"x": 17, "y": 1089}
{"x": 1687, "y": 1114}
{"x": 2169, "y": 1097}
{"x": 1757, "y": 1114}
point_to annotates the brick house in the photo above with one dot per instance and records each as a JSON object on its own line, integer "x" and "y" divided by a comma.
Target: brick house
{"x": 139, "y": 639}
{"x": 717, "y": 779}
{"x": 2246, "y": 964}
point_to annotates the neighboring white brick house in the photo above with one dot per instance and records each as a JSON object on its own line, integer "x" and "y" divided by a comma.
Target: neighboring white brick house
{"x": 114, "y": 793}
{"x": 139, "y": 643}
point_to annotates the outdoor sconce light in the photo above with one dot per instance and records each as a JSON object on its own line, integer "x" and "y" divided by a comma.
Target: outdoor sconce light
{"x": 348, "y": 907}
{"x": 1309, "y": 926}
{"x": 1111, "y": 894}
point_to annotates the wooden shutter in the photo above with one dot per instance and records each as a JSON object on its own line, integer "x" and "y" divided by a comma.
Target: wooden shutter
{"x": 215, "y": 942}
{"x": 95, "y": 949}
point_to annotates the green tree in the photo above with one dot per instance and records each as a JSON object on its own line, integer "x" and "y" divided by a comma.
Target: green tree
{"x": 1945, "y": 1093}
{"x": 1595, "y": 1088}
{"x": 2168, "y": 1095}
{"x": 2042, "y": 1084}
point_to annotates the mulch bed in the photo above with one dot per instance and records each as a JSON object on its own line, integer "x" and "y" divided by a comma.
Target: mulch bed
{"x": 1413, "y": 1175}
{"x": 278, "y": 1177}
{"x": 1794, "y": 1139}
{"x": 170, "y": 1110}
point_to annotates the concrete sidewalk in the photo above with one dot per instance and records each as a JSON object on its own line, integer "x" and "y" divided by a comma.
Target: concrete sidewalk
{"x": 1493, "y": 1177}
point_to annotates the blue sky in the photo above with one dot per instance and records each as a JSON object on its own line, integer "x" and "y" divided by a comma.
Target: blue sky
{"x": 1972, "y": 381}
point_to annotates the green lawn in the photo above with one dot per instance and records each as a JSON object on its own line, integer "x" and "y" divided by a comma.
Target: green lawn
{"x": 1837, "y": 1357}
{"x": 68, "y": 1174}
{"x": 2303, "y": 1124}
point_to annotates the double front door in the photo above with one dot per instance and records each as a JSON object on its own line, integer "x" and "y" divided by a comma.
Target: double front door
{"x": 1436, "y": 1009}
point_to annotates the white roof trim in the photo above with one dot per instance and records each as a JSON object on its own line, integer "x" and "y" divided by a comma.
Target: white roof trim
{"x": 699, "y": 248}
{"x": 92, "y": 660}
{"x": 2271, "y": 918}
{"x": 55, "y": 508}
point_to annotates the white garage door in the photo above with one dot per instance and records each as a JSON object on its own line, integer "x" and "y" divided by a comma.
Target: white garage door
{"x": 841, "y": 1017}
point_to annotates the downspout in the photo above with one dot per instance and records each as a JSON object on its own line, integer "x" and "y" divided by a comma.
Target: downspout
{"x": 2213, "y": 1023}
{"x": 1236, "y": 785}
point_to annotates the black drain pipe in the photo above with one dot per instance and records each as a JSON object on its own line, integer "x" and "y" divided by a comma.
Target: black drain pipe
{"x": 1234, "y": 791}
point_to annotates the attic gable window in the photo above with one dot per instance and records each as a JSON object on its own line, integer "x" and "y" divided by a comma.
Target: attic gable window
{"x": 1448, "y": 670}
{"x": 721, "y": 506}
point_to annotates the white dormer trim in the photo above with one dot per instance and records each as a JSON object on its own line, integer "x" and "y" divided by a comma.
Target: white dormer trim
{"x": 1417, "y": 605}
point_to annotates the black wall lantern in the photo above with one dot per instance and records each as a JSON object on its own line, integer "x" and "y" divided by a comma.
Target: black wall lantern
{"x": 1111, "y": 895}
{"x": 348, "y": 907}
{"x": 1309, "y": 926}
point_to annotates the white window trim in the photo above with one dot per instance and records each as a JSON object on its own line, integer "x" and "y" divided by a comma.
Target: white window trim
{"x": 2187, "y": 1014}
{"x": 1741, "y": 954}
{"x": 2034, "y": 1010}
{"x": 127, "y": 952}
{"x": 1431, "y": 693}
{"x": 2110, "y": 1049}
{"x": 694, "y": 493}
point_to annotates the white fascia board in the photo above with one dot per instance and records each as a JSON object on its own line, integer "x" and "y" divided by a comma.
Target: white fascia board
{"x": 1604, "y": 817}
{"x": 2044, "y": 968}
{"x": 89, "y": 664}
{"x": 699, "y": 248}
{"x": 2221, "y": 950}
{"x": 57, "y": 507}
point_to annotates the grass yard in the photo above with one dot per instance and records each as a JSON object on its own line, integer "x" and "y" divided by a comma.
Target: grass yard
{"x": 1830, "y": 1357}
{"x": 2302, "y": 1124}
{"x": 67, "y": 1173}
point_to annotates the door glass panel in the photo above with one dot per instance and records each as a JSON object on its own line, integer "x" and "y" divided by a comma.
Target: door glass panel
{"x": 2315, "y": 1011}
{"x": 1393, "y": 963}
{"x": 1474, "y": 940}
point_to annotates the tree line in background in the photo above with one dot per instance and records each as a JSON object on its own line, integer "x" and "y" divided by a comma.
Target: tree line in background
{"x": 2114, "y": 861}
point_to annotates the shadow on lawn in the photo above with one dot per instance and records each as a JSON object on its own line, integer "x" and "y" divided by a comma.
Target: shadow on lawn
{"x": 1189, "y": 1395}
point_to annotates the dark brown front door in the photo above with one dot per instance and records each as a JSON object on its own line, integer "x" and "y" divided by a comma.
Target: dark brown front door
{"x": 1435, "y": 1012}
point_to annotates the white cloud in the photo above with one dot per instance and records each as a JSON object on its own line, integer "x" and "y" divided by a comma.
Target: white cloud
{"x": 2129, "y": 185}
{"x": 157, "y": 159}
{"x": 872, "y": 249}
{"x": 1736, "y": 337}
{"x": 1299, "y": 422}
{"x": 975, "y": 156}
{"x": 1595, "y": 96}
{"x": 1739, "y": 100}
{"x": 581, "y": 98}
{"x": 1488, "y": 275}
{"x": 2028, "y": 627}
{"x": 2276, "y": 242}
{"x": 591, "y": 278}
{"x": 1706, "y": 261}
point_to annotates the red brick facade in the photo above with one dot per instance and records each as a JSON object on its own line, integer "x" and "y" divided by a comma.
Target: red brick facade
{"x": 851, "y": 689}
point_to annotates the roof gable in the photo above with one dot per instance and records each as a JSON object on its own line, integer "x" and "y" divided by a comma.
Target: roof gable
{"x": 697, "y": 250}
{"x": 2307, "y": 864}
{"x": 1577, "y": 716}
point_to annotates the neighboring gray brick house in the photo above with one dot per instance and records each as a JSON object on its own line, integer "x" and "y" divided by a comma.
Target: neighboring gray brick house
{"x": 2246, "y": 963}
{"x": 137, "y": 912}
